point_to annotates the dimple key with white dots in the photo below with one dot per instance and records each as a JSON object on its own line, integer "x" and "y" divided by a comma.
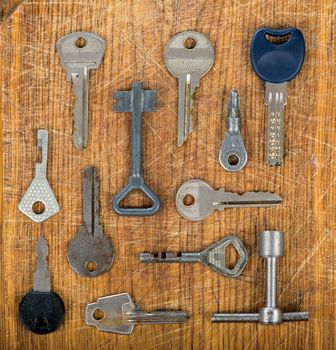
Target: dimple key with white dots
{"x": 40, "y": 190}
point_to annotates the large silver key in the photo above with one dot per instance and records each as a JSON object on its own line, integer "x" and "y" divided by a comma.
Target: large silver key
{"x": 189, "y": 56}
{"x": 39, "y": 202}
{"x": 196, "y": 200}
{"x": 90, "y": 252}
{"x": 119, "y": 314}
{"x": 79, "y": 53}
{"x": 213, "y": 256}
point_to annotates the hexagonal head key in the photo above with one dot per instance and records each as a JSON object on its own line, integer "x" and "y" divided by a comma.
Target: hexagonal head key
{"x": 213, "y": 256}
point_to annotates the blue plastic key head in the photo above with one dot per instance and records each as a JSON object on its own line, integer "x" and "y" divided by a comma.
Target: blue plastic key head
{"x": 277, "y": 63}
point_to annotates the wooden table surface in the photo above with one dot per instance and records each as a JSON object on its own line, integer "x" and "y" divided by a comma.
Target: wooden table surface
{"x": 35, "y": 94}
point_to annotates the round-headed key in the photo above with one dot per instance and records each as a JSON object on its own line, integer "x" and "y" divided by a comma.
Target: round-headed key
{"x": 189, "y": 56}
{"x": 90, "y": 252}
{"x": 41, "y": 310}
{"x": 196, "y": 200}
{"x": 276, "y": 63}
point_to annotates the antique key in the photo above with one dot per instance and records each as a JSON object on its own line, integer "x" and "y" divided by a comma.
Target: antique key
{"x": 90, "y": 252}
{"x": 136, "y": 102}
{"x": 119, "y": 314}
{"x": 41, "y": 310}
{"x": 39, "y": 202}
{"x": 80, "y": 52}
{"x": 189, "y": 56}
{"x": 213, "y": 256}
{"x": 196, "y": 200}
{"x": 233, "y": 155}
{"x": 276, "y": 64}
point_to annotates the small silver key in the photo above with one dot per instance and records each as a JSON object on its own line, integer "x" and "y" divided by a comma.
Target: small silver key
{"x": 213, "y": 256}
{"x": 119, "y": 314}
{"x": 39, "y": 191}
{"x": 80, "y": 52}
{"x": 233, "y": 155}
{"x": 189, "y": 56}
{"x": 204, "y": 200}
{"x": 90, "y": 252}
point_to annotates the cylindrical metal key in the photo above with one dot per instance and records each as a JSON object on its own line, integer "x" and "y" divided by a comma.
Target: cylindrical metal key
{"x": 271, "y": 246}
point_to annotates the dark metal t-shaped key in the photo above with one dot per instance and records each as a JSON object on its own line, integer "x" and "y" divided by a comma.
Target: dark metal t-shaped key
{"x": 136, "y": 101}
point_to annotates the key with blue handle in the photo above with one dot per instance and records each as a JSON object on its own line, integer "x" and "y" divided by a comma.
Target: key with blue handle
{"x": 276, "y": 64}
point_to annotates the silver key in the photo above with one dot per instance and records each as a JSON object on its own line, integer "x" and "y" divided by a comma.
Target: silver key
{"x": 275, "y": 99}
{"x": 205, "y": 200}
{"x": 233, "y": 155}
{"x": 213, "y": 256}
{"x": 189, "y": 56}
{"x": 119, "y": 314}
{"x": 90, "y": 252}
{"x": 39, "y": 191}
{"x": 80, "y": 52}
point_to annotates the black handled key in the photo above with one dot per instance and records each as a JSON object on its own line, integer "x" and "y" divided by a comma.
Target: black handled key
{"x": 41, "y": 310}
{"x": 276, "y": 64}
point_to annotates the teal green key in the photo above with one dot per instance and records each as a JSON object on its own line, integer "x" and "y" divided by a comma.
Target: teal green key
{"x": 276, "y": 64}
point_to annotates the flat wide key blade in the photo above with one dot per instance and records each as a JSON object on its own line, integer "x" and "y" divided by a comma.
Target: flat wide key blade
{"x": 223, "y": 200}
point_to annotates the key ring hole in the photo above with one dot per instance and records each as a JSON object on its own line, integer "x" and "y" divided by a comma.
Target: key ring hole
{"x": 41, "y": 322}
{"x": 189, "y": 43}
{"x": 188, "y": 200}
{"x": 98, "y": 314}
{"x": 278, "y": 40}
{"x": 81, "y": 42}
{"x": 231, "y": 256}
{"x": 91, "y": 266}
{"x": 233, "y": 159}
{"x": 38, "y": 207}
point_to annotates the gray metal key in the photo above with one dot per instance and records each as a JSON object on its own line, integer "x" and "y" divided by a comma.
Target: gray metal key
{"x": 80, "y": 52}
{"x": 213, "y": 256}
{"x": 233, "y": 155}
{"x": 189, "y": 56}
{"x": 39, "y": 191}
{"x": 271, "y": 247}
{"x": 119, "y": 314}
{"x": 90, "y": 252}
{"x": 204, "y": 200}
{"x": 136, "y": 101}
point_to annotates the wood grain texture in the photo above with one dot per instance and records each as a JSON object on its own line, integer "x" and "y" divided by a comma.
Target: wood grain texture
{"x": 35, "y": 94}
{"x": 7, "y": 7}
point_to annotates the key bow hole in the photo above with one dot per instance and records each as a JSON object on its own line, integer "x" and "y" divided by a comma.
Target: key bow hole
{"x": 279, "y": 39}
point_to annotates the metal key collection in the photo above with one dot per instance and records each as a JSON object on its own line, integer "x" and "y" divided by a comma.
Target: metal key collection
{"x": 188, "y": 57}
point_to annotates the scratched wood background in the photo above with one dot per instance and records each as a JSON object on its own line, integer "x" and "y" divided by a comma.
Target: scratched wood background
{"x": 35, "y": 94}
